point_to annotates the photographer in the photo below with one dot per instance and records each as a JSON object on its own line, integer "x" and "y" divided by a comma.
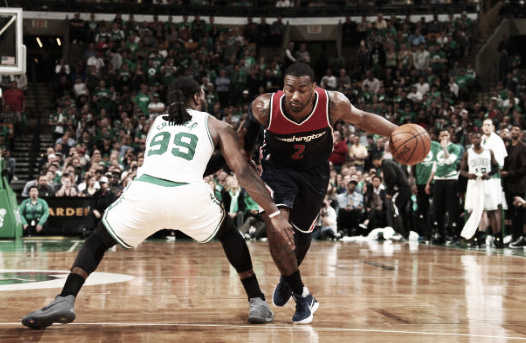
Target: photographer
{"x": 100, "y": 201}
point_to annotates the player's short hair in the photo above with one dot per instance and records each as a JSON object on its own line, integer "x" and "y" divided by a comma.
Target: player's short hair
{"x": 300, "y": 69}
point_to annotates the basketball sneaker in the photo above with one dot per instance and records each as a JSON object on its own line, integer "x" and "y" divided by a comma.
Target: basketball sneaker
{"x": 259, "y": 312}
{"x": 499, "y": 244}
{"x": 519, "y": 243}
{"x": 479, "y": 240}
{"x": 282, "y": 293}
{"x": 306, "y": 305}
{"x": 59, "y": 311}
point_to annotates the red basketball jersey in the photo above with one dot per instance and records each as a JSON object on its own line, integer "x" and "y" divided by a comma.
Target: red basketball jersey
{"x": 298, "y": 145}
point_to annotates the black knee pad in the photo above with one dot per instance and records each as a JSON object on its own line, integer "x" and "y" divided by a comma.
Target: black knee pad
{"x": 227, "y": 229}
{"x": 107, "y": 240}
{"x": 92, "y": 251}
{"x": 234, "y": 245}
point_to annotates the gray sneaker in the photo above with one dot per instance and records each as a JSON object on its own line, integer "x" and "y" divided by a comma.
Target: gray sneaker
{"x": 259, "y": 312}
{"x": 59, "y": 311}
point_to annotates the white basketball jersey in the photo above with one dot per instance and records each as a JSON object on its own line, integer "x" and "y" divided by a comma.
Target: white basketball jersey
{"x": 479, "y": 163}
{"x": 178, "y": 153}
{"x": 495, "y": 143}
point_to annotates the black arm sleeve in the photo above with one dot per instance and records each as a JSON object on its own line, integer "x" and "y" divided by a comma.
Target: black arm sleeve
{"x": 253, "y": 129}
{"x": 494, "y": 169}
{"x": 217, "y": 161}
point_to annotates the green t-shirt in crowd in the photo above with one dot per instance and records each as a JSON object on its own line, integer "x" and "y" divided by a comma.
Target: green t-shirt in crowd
{"x": 29, "y": 211}
{"x": 447, "y": 171}
{"x": 423, "y": 169}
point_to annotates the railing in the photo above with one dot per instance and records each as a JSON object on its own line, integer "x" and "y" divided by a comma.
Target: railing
{"x": 35, "y": 144}
{"x": 486, "y": 87}
{"x": 256, "y": 9}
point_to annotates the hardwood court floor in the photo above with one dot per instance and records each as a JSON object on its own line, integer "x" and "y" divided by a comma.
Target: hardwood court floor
{"x": 186, "y": 292}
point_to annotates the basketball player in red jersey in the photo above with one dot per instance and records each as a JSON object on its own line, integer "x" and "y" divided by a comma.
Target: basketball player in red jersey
{"x": 294, "y": 160}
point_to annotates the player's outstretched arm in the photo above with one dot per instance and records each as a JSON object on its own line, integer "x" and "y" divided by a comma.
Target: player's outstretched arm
{"x": 341, "y": 108}
{"x": 217, "y": 161}
{"x": 226, "y": 137}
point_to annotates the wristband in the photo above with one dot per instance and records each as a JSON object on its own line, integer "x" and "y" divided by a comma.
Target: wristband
{"x": 278, "y": 212}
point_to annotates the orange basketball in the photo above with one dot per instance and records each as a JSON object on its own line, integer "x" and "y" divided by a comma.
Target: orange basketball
{"x": 410, "y": 144}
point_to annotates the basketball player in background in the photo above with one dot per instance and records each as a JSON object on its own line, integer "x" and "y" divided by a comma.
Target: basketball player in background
{"x": 479, "y": 162}
{"x": 492, "y": 141}
{"x": 294, "y": 158}
{"x": 170, "y": 192}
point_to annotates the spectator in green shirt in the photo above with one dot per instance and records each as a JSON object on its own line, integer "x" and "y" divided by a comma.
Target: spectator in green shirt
{"x": 465, "y": 83}
{"x": 142, "y": 99}
{"x": 34, "y": 213}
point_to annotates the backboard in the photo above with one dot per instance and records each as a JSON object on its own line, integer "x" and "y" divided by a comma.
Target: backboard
{"x": 12, "y": 51}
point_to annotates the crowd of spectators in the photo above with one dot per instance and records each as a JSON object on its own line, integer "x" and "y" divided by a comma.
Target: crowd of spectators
{"x": 405, "y": 71}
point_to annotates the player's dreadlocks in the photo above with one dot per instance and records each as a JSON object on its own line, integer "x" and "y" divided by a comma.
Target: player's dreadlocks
{"x": 181, "y": 92}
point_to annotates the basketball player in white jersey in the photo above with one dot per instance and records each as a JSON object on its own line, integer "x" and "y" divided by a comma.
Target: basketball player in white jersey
{"x": 492, "y": 141}
{"x": 170, "y": 192}
{"x": 480, "y": 162}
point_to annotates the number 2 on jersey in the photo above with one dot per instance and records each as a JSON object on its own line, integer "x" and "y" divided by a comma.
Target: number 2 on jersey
{"x": 298, "y": 155}
{"x": 185, "y": 144}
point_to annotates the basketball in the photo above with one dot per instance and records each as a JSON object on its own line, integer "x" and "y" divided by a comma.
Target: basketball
{"x": 410, "y": 144}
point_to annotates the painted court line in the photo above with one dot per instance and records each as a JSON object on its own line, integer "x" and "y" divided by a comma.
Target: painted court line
{"x": 74, "y": 246}
{"x": 288, "y": 328}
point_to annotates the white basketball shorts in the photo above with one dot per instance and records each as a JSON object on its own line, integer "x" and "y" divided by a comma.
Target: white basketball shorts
{"x": 492, "y": 195}
{"x": 145, "y": 208}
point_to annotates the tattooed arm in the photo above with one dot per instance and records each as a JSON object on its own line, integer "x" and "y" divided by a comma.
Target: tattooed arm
{"x": 342, "y": 109}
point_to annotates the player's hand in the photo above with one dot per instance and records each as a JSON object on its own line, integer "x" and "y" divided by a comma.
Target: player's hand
{"x": 472, "y": 176}
{"x": 518, "y": 201}
{"x": 39, "y": 228}
{"x": 504, "y": 173}
{"x": 485, "y": 176}
{"x": 283, "y": 227}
